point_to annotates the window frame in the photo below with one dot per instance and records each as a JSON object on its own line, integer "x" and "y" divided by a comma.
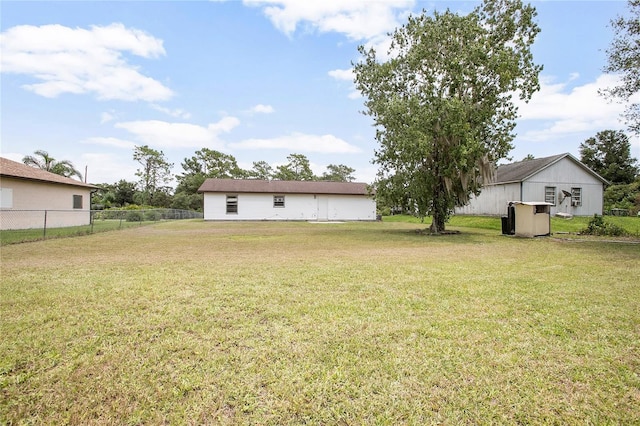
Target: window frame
{"x": 6, "y": 198}
{"x": 278, "y": 201}
{"x": 78, "y": 202}
{"x": 541, "y": 209}
{"x": 576, "y": 196}
{"x": 550, "y": 196}
{"x": 231, "y": 204}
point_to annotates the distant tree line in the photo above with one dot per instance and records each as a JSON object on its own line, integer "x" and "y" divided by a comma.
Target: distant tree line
{"x": 607, "y": 153}
{"x": 154, "y": 175}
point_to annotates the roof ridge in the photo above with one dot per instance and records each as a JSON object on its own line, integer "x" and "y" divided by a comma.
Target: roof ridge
{"x": 15, "y": 169}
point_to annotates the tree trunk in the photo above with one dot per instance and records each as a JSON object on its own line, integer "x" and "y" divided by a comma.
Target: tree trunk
{"x": 439, "y": 214}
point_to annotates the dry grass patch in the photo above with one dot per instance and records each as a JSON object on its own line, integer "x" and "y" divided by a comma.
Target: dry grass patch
{"x": 290, "y": 323}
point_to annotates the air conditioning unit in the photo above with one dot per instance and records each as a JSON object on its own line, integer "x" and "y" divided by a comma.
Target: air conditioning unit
{"x": 574, "y": 204}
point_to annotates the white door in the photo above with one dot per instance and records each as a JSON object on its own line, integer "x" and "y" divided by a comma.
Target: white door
{"x": 323, "y": 207}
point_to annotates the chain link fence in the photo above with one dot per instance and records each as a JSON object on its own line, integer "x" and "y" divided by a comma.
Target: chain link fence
{"x": 29, "y": 225}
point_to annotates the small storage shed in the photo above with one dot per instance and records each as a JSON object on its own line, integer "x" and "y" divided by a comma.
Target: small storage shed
{"x": 527, "y": 219}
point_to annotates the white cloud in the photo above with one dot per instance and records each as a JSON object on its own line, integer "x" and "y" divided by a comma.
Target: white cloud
{"x": 357, "y": 19}
{"x": 83, "y": 61}
{"x": 346, "y": 75}
{"x": 107, "y": 168}
{"x": 262, "y": 109}
{"x": 366, "y": 174}
{"x": 300, "y": 142}
{"x": 343, "y": 75}
{"x": 179, "y": 135}
{"x": 108, "y": 141}
{"x": 106, "y": 117}
{"x": 177, "y": 113}
{"x": 565, "y": 111}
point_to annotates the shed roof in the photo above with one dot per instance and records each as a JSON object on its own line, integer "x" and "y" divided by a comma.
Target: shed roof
{"x": 283, "y": 187}
{"x": 532, "y": 203}
{"x": 523, "y": 170}
{"x": 9, "y": 168}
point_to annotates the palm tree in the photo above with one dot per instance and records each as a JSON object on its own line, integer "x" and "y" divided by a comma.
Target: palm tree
{"x": 42, "y": 160}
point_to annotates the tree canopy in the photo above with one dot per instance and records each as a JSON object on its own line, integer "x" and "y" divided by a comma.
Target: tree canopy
{"x": 298, "y": 168}
{"x": 261, "y": 170}
{"x": 624, "y": 58}
{"x": 338, "y": 173}
{"x": 442, "y": 103}
{"x": 608, "y": 153}
{"x": 42, "y": 160}
{"x": 154, "y": 174}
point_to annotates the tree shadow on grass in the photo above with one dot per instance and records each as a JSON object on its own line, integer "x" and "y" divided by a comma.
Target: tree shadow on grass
{"x": 454, "y": 236}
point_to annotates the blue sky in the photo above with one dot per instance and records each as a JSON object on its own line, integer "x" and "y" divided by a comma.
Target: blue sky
{"x": 257, "y": 79}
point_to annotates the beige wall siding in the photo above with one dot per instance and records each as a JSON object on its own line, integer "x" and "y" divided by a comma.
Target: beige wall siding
{"x": 529, "y": 223}
{"x": 23, "y": 202}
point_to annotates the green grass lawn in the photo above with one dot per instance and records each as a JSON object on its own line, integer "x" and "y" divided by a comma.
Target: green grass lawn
{"x": 558, "y": 225}
{"x": 190, "y": 322}
{"x": 34, "y": 234}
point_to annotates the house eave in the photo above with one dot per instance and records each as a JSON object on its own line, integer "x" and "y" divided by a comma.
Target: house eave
{"x": 52, "y": 182}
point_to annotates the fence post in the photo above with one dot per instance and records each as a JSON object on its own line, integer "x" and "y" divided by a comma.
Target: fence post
{"x": 44, "y": 234}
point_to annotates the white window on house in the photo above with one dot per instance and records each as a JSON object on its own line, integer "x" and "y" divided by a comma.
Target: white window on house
{"x": 550, "y": 194}
{"x": 77, "y": 201}
{"x": 278, "y": 201}
{"x": 232, "y": 204}
{"x": 576, "y": 196}
{"x": 6, "y": 198}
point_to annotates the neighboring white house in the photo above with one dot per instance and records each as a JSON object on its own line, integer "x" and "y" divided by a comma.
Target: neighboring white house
{"x": 247, "y": 199}
{"x": 27, "y": 192}
{"x": 560, "y": 180}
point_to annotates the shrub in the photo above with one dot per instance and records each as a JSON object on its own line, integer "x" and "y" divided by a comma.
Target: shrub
{"x": 598, "y": 226}
{"x": 134, "y": 216}
{"x": 152, "y": 215}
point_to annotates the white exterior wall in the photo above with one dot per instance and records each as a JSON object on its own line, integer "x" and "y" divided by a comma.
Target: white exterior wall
{"x": 492, "y": 201}
{"x": 565, "y": 174}
{"x": 24, "y": 201}
{"x": 297, "y": 207}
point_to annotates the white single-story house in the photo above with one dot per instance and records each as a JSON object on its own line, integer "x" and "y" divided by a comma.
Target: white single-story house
{"x": 27, "y": 192}
{"x": 561, "y": 180}
{"x": 248, "y": 199}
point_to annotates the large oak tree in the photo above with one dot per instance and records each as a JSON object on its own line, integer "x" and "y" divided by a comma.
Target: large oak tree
{"x": 442, "y": 102}
{"x": 624, "y": 58}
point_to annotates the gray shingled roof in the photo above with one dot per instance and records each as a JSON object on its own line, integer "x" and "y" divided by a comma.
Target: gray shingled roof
{"x": 283, "y": 187}
{"x": 523, "y": 170}
{"x": 9, "y": 168}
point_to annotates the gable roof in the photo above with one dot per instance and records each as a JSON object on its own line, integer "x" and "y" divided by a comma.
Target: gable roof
{"x": 13, "y": 169}
{"x": 523, "y": 170}
{"x": 283, "y": 187}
